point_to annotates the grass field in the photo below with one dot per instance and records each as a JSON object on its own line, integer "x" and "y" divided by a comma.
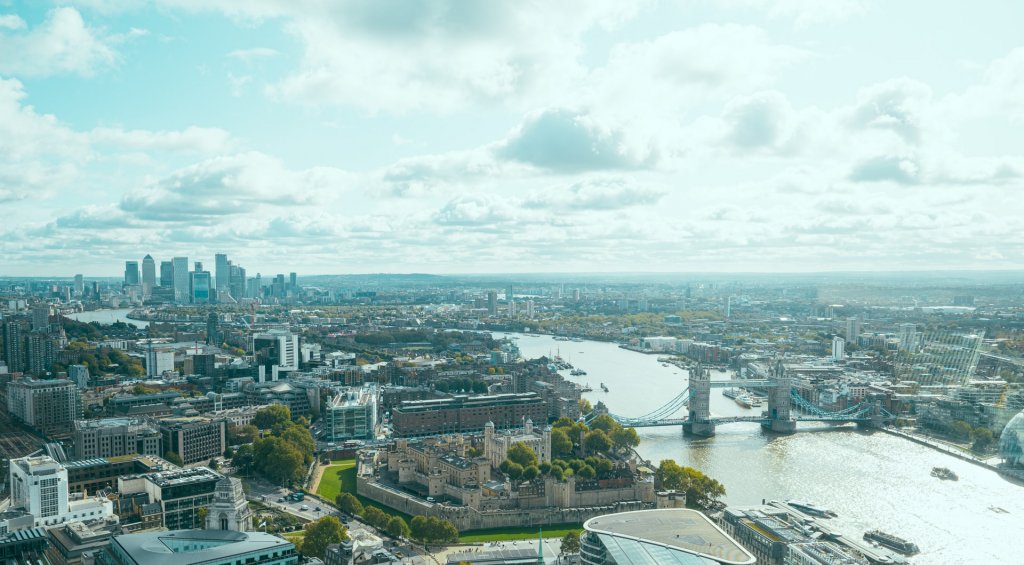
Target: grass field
{"x": 339, "y": 477}
{"x": 509, "y": 534}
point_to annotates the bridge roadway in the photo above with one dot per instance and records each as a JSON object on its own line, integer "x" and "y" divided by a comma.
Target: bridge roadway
{"x": 734, "y": 419}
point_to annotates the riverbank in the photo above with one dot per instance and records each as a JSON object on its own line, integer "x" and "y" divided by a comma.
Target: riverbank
{"x": 943, "y": 447}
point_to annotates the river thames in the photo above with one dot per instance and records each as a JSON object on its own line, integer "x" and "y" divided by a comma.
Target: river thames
{"x": 870, "y": 478}
{"x": 108, "y": 317}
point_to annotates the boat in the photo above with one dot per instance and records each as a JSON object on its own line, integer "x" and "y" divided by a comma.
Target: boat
{"x": 730, "y": 392}
{"x": 744, "y": 400}
{"x": 756, "y": 401}
{"x": 604, "y": 388}
{"x": 944, "y": 474}
{"x": 586, "y": 388}
{"x": 577, "y": 372}
{"x": 892, "y": 542}
{"x": 812, "y": 509}
{"x": 664, "y": 364}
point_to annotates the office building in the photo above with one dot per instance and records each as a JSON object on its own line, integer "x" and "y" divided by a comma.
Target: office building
{"x": 159, "y": 361}
{"x": 237, "y": 287}
{"x": 777, "y": 535}
{"x": 39, "y": 485}
{"x": 492, "y": 303}
{"x": 351, "y": 415}
{"x": 77, "y": 543}
{"x": 181, "y": 493}
{"x": 24, "y": 546}
{"x": 298, "y": 399}
{"x": 167, "y": 274}
{"x": 79, "y": 285}
{"x": 115, "y": 437}
{"x": 148, "y": 275}
{"x": 79, "y": 374}
{"x": 199, "y": 287}
{"x": 131, "y": 273}
{"x": 210, "y": 547}
{"x": 278, "y": 348}
{"x": 229, "y": 509}
{"x": 134, "y": 404}
{"x": 222, "y": 272}
{"x": 194, "y": 438}
{"x": 180, "y": 275}
{"x": 670, "y": 535}
{"x": 50, "y": 406}
{"x": 463, "y": 413}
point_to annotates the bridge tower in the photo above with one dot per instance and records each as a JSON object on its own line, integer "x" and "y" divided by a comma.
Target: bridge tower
{"x": 780, "y": 418}
{"x": 699, "y": 422}
{"x": 877, "y": 415}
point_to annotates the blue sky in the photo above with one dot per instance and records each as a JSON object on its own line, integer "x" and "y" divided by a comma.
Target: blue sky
{"x": 453, "y": 137}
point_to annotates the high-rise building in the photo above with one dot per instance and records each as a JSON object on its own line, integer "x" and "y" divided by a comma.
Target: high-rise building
{"x": 131, "y": 273}
{"x": 838, "y": 348}
{"x": 79, "y": 374}
{"x": 181, "y": 282}
{"x": 167, "y": 274}
{"x": 293, "y": 282}
{"x": 351, "y": 415}
{"x": 199, "y": 287}
{"x": 212, "y": 333}
{"x": 50, "y": 406}
{"x": 511, "y": 308}
{"x": 237, "y": 287}
{"x": 79, "y": 285}
{"x": 529, "y": 309}
{"x": 40, "y": 486}
{"x": 492, "y": 303}
{"x": 40, "y": 317}
{"x": 41, "y": 352}
{"x": 159, "y": 361}
{"x": 148, "y": 275}
{"x": 222, "y": 272}
{"x": 509, "y": 295}
{"x": 114, "y": 437}
{"x": 15, "y": 329}
{"x": 852, "y": 329}
{"x": 276, "y": 348}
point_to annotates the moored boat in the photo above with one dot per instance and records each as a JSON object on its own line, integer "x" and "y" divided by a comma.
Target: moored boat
{"x": 892, "y": 542}
{"x": 812, "y": 509}
{"x": 944, "y": 474}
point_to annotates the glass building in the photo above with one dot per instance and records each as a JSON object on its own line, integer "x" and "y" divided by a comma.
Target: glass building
{"x": 670, "y": 536}
{"x": 209, "y": 547}
{"x": 1011, "y": 442}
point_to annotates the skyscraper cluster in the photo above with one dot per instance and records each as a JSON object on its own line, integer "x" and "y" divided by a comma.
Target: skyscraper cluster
{"x": 177, "y": 284}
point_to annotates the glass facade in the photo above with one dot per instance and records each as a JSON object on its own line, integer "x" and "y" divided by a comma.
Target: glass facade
{"x": 1011, "y": 443}
{"x": 604, "y": 549}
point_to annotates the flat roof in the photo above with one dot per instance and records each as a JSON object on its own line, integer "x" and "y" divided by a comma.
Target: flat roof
{"x": 672, "y": 528}
{"x": 195, "y": 546}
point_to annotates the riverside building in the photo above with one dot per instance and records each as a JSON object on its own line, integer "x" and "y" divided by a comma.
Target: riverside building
{"x": 463, "y": 413}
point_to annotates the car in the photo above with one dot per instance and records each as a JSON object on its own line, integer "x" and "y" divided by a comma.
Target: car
{"x": 318, "y": 509}
{"x": 280, "y": 499}
{"x": 304, "y": 507}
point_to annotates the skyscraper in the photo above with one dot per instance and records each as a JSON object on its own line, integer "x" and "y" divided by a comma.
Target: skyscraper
{"x": 199, "y": 287}
{"x": 131, "y": 273}
{"x": 148, "y": 275}
{"x": 293, "y": 281}
{"x": 79, "y": 285}
{"x": 14, "y": 331}
{"x": 166, "y": 273}
{"x": 222, "y": 272}
{"x": 237, "y": 286}
{"x": 492, "y": 302}
{"x": 181, "y": 283}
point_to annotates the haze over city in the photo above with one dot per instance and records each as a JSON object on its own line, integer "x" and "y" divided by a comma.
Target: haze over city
{"x": 442, "y": 137}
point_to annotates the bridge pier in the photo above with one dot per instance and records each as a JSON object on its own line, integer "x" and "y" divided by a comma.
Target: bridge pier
{"x": 780, "y": 426}
{"x": 702, "y": 429}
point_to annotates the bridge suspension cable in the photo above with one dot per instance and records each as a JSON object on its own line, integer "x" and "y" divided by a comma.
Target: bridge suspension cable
{"x": 660, "y": 413}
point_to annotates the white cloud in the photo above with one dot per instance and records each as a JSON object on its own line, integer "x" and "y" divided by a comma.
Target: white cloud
{"x": 62, "y": 43}
{"x": 251, "y": 54}
{"x": 11, "y": 21}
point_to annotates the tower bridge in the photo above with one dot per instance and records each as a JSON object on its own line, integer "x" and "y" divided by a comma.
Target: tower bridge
{"x": 785, "y": 408}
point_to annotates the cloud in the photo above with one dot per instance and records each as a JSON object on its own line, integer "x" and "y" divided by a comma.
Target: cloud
{"x": 11, "y": 21}
{"x": 603, "y": 193}
{"x": 473, "y": 210}
{"x": 892, "y": 169}
{"x": 252, "y": 54}
{"x": 61, "y": 44}
{"x": 231, "y": 186}
{"x": 758, "y": 121}
{"x": 191, "y": 139}
{"x": 568, "y": 141}
{"x": 897, "y": 105}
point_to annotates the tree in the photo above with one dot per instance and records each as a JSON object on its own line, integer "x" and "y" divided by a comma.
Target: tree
{"x": 430, "y": 529}
{"x": 203, "y": 513}
{"x": 604, "y": 468}
{"x": 597, "y": 441}
{"x": 557, "y": 473}
{"x": 625, "y": 437}
{"x": 544, "y": 468}
{"x": 214, "y": 465}
{"x": 275, "y": 414}
{"x": 173, "y": 457}
{"x": 244, "y": 459}
{"x": 514, "y": 471}
{"x": 238, "y": 435}
{"x": 375, "y": 517}
{"x": 349, "y": 503}
{"x": 397, "y": 528}
{"x": 701, "y": 490}
{"x": 605, "y": 423}
{"x": 530, "y": 472}
{"x": 301, "y": 440}
{"x": 320, "y": 534}
{"x": 522, "y": 454}
{"x": 961, "y": 430}
{"x": 983, "y": 438}
{"x": 560, "y": 442}
{"x": 570, "y": 543}
{"x": 585, "y": 407}
{"x": 586, "y": 472}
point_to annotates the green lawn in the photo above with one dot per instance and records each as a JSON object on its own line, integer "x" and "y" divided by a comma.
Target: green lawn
{"x": 339, "y": 477}
{"x": 508, "y": 534}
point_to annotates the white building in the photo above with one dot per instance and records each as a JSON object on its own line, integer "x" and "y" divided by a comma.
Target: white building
{"x": 277, "y": 348}
{"x": 660, "y": 343}
{"x": 40, "y": 486}
{"x": 229, "y": 509}
{"x": 158, "y": 361}
{"x": 838, "y": 348}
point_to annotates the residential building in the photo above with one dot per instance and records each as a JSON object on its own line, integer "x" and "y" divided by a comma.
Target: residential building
{"x": 159, "y": 361}
{"x": 838, "y": 348}
{"x": 194, "y": 438}
{"x": 50, "y": 406}
{"x": 15, "y": 329}
{"x": 492, "y": 303}
{"x": 41, "y": 352}
{"x": 114, "y": 437}
{"x": 671, "y": 535}
{"x": 188, "y": 547}
{"x": 39, "y": 485}
{"x": 79, "y": 374}
{"x": 351, "y": 415}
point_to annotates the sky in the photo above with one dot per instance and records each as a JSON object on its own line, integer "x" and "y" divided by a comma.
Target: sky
{"x": 332, "y": 137}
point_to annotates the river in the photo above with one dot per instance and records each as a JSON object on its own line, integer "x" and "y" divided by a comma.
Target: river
{"x": 870, "y": 478}
{"x": 108, "y": 317}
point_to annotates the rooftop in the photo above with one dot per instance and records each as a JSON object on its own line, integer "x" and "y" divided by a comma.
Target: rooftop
{"x": 183, "y": 476}
{"x": 183, "y": 547}
{"x": 649, "y": 531}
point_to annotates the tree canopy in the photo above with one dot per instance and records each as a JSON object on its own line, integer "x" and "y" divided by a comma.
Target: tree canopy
{"x": 275, "y": 414}
{"x": 320, "y": 534}
{"x": 430, "y": 529}
{"x": 701, "y": 490}
{"x": 522, "y": 454}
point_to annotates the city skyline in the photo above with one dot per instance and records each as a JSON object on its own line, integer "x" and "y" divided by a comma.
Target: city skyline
{"x": 442, "y": 138}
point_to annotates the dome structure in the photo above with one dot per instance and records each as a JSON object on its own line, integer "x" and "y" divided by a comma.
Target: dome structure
{"x": 1011, "y": 442}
